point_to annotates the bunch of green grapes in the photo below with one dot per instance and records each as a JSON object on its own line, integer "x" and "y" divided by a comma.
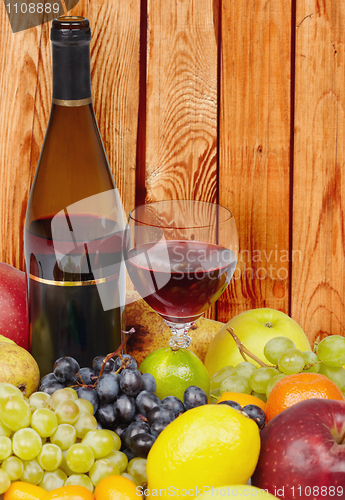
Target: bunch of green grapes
{"x": 328, "y": 359}
{"x": 53, "y": 440}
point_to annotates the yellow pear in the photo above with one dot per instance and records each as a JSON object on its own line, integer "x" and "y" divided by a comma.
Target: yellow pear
{"x": 5, "y": 339}
{"x": 19, "y": 368}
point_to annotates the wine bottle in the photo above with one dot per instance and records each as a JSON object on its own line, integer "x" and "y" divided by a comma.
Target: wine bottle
{"x": 74, "y": 222}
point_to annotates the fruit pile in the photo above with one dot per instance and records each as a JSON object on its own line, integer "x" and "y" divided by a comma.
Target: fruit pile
{"x": 53, "y": 440}
{"x": 123, "y": 399}
{"x": 109, "y": 488}
{"x": 327, "y": 359}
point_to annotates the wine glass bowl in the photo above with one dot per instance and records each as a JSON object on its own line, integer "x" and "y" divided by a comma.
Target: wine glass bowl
{"x": 180, "y": 256}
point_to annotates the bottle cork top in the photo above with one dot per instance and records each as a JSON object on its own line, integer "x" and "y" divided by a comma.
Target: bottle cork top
{"x": 70, "y": 29}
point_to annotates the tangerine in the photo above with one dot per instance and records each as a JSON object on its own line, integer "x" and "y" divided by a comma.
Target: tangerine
{"x": 298, "y": 387}
{"x": 19, "y": 490}
{"x": 70, "y": 492}
{"x": 242, "y": 399}
{"x": 116, "y": 488}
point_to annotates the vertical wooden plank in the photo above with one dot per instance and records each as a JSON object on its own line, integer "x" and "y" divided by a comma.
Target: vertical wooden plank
{"x": 254, "y": 166}
{"x": 19, "y": 55}
{"x": 25, "y": 85}
{"x": 181, "y": 105}
{"x": 115, "y": 59}
{"x": 318, "y": 279}
{"x": 181, "y": 125}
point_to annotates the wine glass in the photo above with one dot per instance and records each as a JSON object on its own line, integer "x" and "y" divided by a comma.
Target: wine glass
{"x": 180, "y": 256}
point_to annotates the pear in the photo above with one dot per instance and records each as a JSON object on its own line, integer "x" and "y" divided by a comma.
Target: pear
{"x": 19, "y": 368}
{"x": 5, "y": 339}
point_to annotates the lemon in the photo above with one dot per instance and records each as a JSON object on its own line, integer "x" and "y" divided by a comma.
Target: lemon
{"x": 235, "y": 491}
{"x": 210, "y": 445}
{"x": 174, "y": 371}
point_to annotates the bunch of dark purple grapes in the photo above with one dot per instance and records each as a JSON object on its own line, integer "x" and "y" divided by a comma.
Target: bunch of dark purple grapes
{"x": 123, "y": 399}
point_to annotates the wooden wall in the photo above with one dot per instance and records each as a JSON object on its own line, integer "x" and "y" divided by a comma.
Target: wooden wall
{"x": 240, "y": 102}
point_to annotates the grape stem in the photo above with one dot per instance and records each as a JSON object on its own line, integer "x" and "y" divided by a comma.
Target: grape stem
{"x": 117, "y": 352}
{"x": 244, "y": 351}
{"x": 316, "y": 343}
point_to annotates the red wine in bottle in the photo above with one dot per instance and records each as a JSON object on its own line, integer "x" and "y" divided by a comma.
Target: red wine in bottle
{"x": 74, "y": 221}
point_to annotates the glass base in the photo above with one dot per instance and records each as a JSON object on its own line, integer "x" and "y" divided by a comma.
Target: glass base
{"x": 179, "y": 338}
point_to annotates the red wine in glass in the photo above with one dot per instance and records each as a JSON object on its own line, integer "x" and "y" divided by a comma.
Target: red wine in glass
{"x": 182, "y": 287}
{"x": 181, "y": 255}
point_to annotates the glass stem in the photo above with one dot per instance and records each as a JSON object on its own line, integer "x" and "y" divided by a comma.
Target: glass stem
{"x": 179, "y": 335}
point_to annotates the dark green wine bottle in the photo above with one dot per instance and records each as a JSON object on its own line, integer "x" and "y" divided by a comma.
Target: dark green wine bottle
{"x": 74, "y": 221}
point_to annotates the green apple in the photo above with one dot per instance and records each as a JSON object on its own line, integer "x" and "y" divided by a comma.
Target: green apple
{"x": 233, "y": 491}
{"x": 254, "y": 328}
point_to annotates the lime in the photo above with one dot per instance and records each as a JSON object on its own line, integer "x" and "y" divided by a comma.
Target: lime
{"x": 174, "y": 371}
{"x": 208, "y": 445}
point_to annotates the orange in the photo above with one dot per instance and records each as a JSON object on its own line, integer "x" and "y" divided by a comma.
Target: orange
{"x": 116, "y": 488}
{"x": 70, "y": 492}
{"x": 24, "y": 491}
{"x": 242, "y": 399}
{"x": 294, "y": 388}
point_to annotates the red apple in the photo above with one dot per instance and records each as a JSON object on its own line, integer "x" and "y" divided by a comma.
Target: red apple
{"x": 13, "y": 305}
{"x": 303, "y": 452}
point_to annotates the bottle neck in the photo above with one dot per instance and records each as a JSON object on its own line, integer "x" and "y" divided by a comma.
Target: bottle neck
{"x": 71, "y": 72}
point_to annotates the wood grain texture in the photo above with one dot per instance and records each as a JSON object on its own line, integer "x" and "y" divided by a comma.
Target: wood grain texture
{"x": 181, "y": 104}
{"x": 19, "y": 60}
{"x": 26, "y": 86}
{"x": 318, "y": 279}
{"x": 254, "y": 156}
{"x": 181, "y": 123}
{"x": 189, "y": 104}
